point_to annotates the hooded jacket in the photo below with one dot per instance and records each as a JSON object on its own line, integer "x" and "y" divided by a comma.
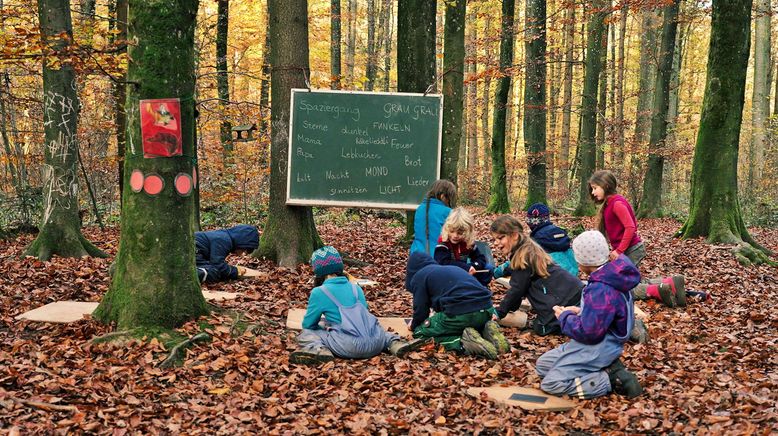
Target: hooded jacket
{"x": 606, "y": 304}
{"x": 555, "y": 241}
{"x": 212, "y": 248}
{"x": 447, "y": 253}
{"x": 442, "y": 288}
{"x": 428, "y": 223}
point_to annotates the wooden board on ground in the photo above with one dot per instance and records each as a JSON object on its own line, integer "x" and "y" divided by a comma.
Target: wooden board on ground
{"x": 219, "y": 295}
{"x": 517, "y": 319}
{"x": 252, "y": 273}
{"x": 526, "y": 398}
{"x": 294, "y": 321}
{"x": 60, "y": 311}
{"x": 639, "y": 314}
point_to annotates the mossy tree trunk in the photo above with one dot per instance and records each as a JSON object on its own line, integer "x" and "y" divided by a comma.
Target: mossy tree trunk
{"x": 290, "y": 234}
{"x": 415, "y": 56}
{"x": 155, "y": 283}
{"x": 760, "y": 104}
{"x": 651, "y": 203}
{"x": 60, "y": 232}
{"x": 535, "y": 101}
{"x": 586, "y": 145}
{"x": 498, "y": 185}
{"x": 453, "y": 83}
{"x": 222, "y": 82}
{"x": 714, "y": 209}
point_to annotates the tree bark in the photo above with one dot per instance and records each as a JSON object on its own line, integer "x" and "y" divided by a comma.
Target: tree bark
{"x": 453, "y": 79}
{"x": 485, "y": 103}
{"x": 264, "y": 88}
{"x": 119, "y": 91}
{"x": 222, "y": 83}
{"x": 673, "y": 105}
{"x": 290, "y": 234}
{"x": 651, "y": 204}
{"x": 567, "y": 100}
{"x": 351, "y": 45}
{"x": 593, "y": 64}
{"x": 714, "y": 209}
{"x": 60, "y": 232}
{"x": 415, "y": 55}
{"x": 335, "y": 44}
{"x": 155, "y": 283}
{"x": 372, "y": 58}
{"x": 602, "y": 102}
{"x": 760, "y": 105}
{"x": 387, "y": 13}
{"x": 472, "y": 97}
{"x": 535, "y": 101}
{"x": 618, "y": 155}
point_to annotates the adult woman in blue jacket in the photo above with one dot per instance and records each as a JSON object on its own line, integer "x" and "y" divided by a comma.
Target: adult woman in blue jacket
{"x": 431, "y": 214}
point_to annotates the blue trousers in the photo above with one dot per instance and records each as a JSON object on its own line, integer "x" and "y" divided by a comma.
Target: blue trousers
{"x": 344, "y": 346}
{"x": 576, "y": 369}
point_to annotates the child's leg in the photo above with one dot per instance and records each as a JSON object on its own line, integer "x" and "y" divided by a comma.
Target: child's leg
{"x": 447, "y": 330}
{"x": 578, "y": 369}
{"x": 312, "y": 349}
{"x": 548, "y": 359}
{"x": 636, "y": 253}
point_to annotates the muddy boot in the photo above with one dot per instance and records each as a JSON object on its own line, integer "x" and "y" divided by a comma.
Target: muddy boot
{"x": 639, "y": 332}
{"x": 493, "y": 334}
{"x": 311, "y": 356}
{"x": 622, "y": 381}
{"x": 678, "y": 285}
{"x": 400, "y": 347}
{"x": 659, "y": 291}
{"x": 475, "y": 344}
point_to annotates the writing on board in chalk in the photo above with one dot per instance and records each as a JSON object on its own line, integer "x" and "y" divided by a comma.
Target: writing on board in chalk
{"x": 368, "y": 141}
{"x": 417, "y": 181}
{"x": 412, "y": 162}
{"x": 304, "y": 177}
{"x": 331, "y": 175}
{"x": 416, "y": 111}
{"x": 389, "y": 190}
{"x": 397, "y": 127}
{"x": 308, "y": 140}
{"x": 376, "y": 171}
{"x": 313, "y": 126}
{"x": 356, "y": 154}
{"x": 355, "y": 131}
{"x": 334, "y": 110}
{"x": 305, "y": 154}
{"x": 348, "y": 190}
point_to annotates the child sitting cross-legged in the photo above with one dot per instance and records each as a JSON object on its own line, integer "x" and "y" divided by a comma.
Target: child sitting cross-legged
{"x": 350, "y": 331}
{"x": 456, "y": 246}
{"x": 462, "y": 321}
{"x": 589, "y": 365}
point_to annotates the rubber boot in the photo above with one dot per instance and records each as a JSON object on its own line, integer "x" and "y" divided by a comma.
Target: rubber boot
{"x": 311, "y": 356}
{"x": 493, "y": 334}
{"x": 475, "y": 344}
{"x": 400, "y": 347}
{"x": 623, "y": 382}
{"x": 678, "y": 285}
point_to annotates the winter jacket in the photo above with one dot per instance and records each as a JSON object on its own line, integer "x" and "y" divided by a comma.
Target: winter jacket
{"x": 560, "y": 288}
{"x": 442, "y": 288}
{"x": 460, "y": 255}
{"x": 212, "y": 248}
{"x": 555, "y": 241}
{"x": 427, "y": 227}
{"x": 319, "y": 304}
{"x": 603, "y": 304}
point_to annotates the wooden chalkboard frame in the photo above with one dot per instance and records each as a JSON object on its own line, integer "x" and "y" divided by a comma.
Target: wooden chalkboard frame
{"x": 344, "y": 203}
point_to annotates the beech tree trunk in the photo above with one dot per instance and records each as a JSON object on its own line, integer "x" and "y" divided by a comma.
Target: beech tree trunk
{"x": 387, "y": 13}
{"x": 567, "y": 100}
{"x": 593, "y": 63}
{"x": 335, "y": 44}
{"x": 372, "y": 58}
{"x": 651, "y": 204}
{"x": 60, "y": 232}
{"x": 155, "y": 283}
{"x": 472, "y": 98}
{"x": 453, "y": 79}
{"x": 535, "y": 101}
{"x": 222, "y": 83}
{"x": 618, "y": 155}
{"x": 760, "y": 105}
{"x": 602, "y": 102}
{"x": 351, "y": 45}
{"x": 714, "y": 209}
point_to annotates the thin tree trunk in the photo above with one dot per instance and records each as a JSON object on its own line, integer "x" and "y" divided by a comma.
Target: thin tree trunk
{"x": 618, "y": 156}
{"x": 119, "y": 91}
{"x": 388, "y": 12}
{"x": 611, "y": 122}
{"x": 535, "y": 101}
{"x": 453, "y": 78}
{"x": 602, "y": 102}
{"x": 372, "y": 59}
{"x": 485, "y": 102}
{"x": 593, "y": 64}
{"x": 351, "y": 46}
{"x": 651, "y": 205}
{"x": 335, "y": 44}
{"x": 155, "y": 283}
{"x": 222, "y": 82}
{"x": 761, "y": 95}
{"x": 674, "y": 100}
{"x": 472, "y": 98}
{"x": 264, "y": 88}
{"x": 498, "y": 191}
{"x": 714, "y": 209}
{"x": 567, "y": 100}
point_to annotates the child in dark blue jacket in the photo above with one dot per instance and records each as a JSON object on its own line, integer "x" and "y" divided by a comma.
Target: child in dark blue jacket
{"x": 588, "y": 365}
{"x": 212, "y": 248}
{"x": 463, "y": 309}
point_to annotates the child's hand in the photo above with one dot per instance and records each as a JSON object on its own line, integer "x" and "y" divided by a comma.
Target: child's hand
{"x": 472, "y": 270}
{"x": 241, "y": 270}
{"x": 613, "y": 255}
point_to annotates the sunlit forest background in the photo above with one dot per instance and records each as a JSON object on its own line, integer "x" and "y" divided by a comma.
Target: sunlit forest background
{"x": 234, "y": 187}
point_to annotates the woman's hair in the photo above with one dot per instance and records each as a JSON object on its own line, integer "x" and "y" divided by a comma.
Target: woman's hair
{"x": 526, "y": 252}
{"x": 319, "y": 280}
{"x": 607, "y": 181}
{"x": 459, "y": 220}
{"x": 444, "y": 187}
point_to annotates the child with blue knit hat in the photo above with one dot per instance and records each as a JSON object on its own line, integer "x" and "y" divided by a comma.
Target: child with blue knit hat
{"x": 349, "y": 330}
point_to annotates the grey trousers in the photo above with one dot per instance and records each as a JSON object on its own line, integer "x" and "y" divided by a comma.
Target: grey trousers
{"x": 636, "y": 253}
{"x": 345, "y": 346}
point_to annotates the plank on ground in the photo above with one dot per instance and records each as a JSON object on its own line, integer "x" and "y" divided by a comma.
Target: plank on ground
{"x": 526, "y": 398}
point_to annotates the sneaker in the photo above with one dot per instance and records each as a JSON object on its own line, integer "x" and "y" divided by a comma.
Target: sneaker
{"x": 493, "y": 334}
{"x": 311, "y": 356}
{"x": 400, "y": 348}
{"x": 678, "y": 284}
{"x": 622, "y": 381}
{"x": 475, "y": 344}
{"x": 639, "y": 332}
{"x": 666, "y": 294}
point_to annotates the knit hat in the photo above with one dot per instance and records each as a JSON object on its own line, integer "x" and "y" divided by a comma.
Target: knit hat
{"x": 590, "y": 248}
{"x": 537, "y": 214}
{"x": 326, "y": 260}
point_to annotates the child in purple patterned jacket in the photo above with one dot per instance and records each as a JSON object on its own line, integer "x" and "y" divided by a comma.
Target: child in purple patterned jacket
{"x": 588, "y": 365}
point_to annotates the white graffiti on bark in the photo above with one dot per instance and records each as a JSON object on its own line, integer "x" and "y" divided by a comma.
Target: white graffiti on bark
{"x": 60, "y": 183}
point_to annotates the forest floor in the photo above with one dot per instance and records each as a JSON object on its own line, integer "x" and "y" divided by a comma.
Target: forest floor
{"x": 709, "y": 368}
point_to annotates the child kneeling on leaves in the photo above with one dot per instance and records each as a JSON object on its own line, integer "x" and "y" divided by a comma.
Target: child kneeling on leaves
{"x": 351, "y": 331}
{"x": 463, "y": 308}
{"x": 588, "y": 365}
{"x": 456, "y": 246}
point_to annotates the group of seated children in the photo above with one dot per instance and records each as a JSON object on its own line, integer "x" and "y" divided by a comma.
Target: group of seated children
{"x": 453, "y": 306}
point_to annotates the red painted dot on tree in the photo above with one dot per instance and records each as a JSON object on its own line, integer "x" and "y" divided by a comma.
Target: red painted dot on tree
{"x": 183, "y": 184}
{"x": 153, "y": 184}
{"x": 136, "y": 180}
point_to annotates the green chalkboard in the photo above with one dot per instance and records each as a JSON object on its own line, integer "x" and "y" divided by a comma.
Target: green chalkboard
{"x": 363, "y": 149}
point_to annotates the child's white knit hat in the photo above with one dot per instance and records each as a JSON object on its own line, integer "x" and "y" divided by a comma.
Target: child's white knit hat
{"x": 590, "y": 248}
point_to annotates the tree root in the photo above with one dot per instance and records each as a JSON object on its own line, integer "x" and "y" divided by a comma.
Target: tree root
{"x": 111, "y": 336}
{"x": 174, "y": 355}
{"x": 747, "y": 255}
